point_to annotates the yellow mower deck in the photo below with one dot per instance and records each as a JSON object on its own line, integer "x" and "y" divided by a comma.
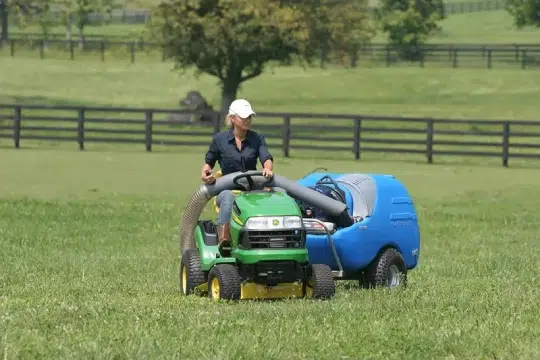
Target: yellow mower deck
{"x": 252, "y": 291}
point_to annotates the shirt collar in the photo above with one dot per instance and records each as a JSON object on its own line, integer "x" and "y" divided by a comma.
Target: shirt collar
{"x": 230, "y": 135}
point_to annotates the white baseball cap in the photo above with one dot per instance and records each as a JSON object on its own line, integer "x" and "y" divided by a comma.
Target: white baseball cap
{"x": 241, "y": 108}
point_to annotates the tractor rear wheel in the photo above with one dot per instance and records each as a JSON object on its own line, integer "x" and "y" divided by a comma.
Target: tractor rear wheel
{"x": 191, "y": 274}
{"x": 224, "y": 282}
{"x": 320, "y": 284}
{"x": 388, "y": 270}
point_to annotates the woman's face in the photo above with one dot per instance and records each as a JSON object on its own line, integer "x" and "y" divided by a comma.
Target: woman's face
{"x": 242, "y": 124}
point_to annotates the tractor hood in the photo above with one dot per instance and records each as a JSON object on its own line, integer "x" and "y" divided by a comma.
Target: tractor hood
{"x": 266, "y": 204}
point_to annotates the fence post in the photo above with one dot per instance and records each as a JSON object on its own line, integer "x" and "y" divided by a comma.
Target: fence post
{"x": 80, "y": 129}
{"x": 489, "y": 59}
{"x": 102, "y": 49}
{"x": 132, "y": 52}
{"x": 505, "y": 143}
{"x": 454, "y": 61}
{"x": 42, "y": 49}
{"x": 429, "y": 140}
{"x": 12, "y": 47}
{"x": 148, "y": 130}
{"x": 356, "y": 137}
{"x": 17, "y": 127}
{"x": 217, "y": 122}
{"x": 286, "y": 140}
{"x": 523, "y": 59}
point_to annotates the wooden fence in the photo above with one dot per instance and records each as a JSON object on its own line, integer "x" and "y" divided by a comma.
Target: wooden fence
{"x": 353, "y": 134}
{"x": 522, "y": 56}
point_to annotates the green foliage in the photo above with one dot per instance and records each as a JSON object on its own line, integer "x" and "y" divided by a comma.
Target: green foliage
{"x": 409, "y": 23}
{"x": 339, "y": 28}
{"x": 235, "y": 40}
{"x": 524, "y": 12}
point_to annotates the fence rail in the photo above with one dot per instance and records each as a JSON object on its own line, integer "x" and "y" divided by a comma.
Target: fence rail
{"x": 356, "y": 134}
{"x": 524, "y": 56}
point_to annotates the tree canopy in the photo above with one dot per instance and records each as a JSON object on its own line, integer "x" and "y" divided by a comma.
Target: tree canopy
{"x": 408, "y": 23}
{"x": 524, "y": 12}
{"x": 234, "y": 40}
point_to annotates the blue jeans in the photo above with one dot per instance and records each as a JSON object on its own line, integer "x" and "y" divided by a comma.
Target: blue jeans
{"x": 225, "y": 201}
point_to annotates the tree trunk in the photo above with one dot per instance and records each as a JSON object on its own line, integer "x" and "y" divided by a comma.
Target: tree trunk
{"x": 229, "y": 89}
{"x": 81, "y": 36}
{"x": 4, "y": 20}
{"x": 68, "y": 27}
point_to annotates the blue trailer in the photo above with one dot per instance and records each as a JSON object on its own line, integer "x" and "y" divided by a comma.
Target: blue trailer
{"x": 384, "y": 239}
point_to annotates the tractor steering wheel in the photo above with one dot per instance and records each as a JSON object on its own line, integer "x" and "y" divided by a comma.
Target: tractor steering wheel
{"x": 252, "y": 185}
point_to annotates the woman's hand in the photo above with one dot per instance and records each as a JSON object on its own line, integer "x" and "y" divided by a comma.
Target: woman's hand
{"x": 267, "y": 173}
{"x": 207, "y": 176}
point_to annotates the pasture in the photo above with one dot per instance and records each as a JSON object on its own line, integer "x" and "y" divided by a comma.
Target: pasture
{"x": 505, "y": 94}
{"x": 89, "y": 268}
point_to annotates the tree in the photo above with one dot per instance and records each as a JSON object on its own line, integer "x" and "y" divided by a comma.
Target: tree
{"x": 409, "y": 23}
{"x": 32, "y": 12}
{"x": 524, "y": 12}
{"x": 338, "y": 28}
{"x": 234, "y": 40}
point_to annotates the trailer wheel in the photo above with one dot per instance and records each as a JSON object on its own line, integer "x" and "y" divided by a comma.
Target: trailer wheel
{"x": 191, "y": 274}
{"x": 320, "y": 284}
{"x": 388, "y": 270}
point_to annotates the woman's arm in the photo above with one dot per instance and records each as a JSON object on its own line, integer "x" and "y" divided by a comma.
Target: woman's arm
{"x": 212, "y": 155}
{"x": 265, "y": 157}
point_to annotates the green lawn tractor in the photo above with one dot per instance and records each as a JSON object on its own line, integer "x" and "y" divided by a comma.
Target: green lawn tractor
{"x": 268, "y": 256}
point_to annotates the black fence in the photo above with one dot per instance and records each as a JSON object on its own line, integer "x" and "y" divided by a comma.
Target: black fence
{"x": 524, "y": 56}
{"x": 141, "y": 16}
{"x": 353, "y": 134}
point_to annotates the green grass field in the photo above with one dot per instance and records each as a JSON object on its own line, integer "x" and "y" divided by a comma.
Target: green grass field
{"x": 89, "y": 268}
{"x": 440, "y": 92}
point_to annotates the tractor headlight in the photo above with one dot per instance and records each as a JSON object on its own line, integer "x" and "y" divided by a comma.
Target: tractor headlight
{"x": 273, "y": 222}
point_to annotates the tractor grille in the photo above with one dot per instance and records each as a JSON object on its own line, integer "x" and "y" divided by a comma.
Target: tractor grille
{"x": 273, "y": 239}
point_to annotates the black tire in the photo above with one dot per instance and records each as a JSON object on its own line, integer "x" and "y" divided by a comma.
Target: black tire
{"x": 320, "y": 284}
{"x": 190, "y": 266}
{"x": 388, "y": 270}
{"x": 227, "y": 279}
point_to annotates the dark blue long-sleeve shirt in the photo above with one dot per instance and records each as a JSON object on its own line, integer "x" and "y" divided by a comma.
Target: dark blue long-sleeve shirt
{"x": 223, "y": 150}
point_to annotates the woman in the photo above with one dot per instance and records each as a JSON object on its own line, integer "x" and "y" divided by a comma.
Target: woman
{"x": 236, "y": 149}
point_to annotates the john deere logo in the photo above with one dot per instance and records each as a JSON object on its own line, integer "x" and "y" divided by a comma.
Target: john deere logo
{"x": 275, "y": 222}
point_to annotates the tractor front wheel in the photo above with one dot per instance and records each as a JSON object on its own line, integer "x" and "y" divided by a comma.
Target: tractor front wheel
{"x": 320, "y": 284}
{"x": 224, "y": 282}
{"x": 191, "y": 274}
